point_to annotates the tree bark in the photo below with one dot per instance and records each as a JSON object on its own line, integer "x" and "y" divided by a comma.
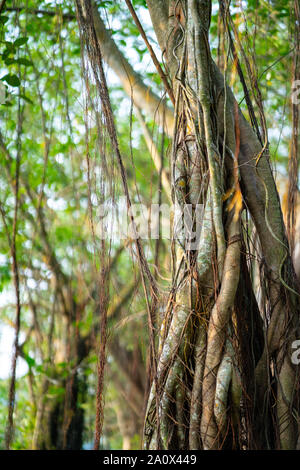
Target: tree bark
{"x": 205, "y": 109}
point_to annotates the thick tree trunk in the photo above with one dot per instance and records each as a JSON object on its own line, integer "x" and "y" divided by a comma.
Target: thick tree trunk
{"x": 52, "y": 431}
{"x": 206, "y": 360}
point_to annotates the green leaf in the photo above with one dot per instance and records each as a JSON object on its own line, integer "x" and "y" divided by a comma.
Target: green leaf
{"x": 20, "y": 41}
{"x": 11, "y": 79}
{"x": 3, "y": 19}
{"x": 7, "y": 103}
{"x": 57, "y": 391}
{"x": 5, "y": 54}
{"x": 105, "y": 3}
{"x": 63, "y": 365}
{"x": 10, "y": 60}
{"x": 5, "y": 274}
{"x": 10, "y": 45}
{"x": 30, "y": 361}
{"x": 26, "y": 99}
{"x": 24, "y": 61}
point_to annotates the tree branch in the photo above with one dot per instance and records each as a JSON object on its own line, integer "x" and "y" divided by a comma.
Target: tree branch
{"x": 152, "y": 53}
{"x": 35, "y": 11}
{"x": 133, "y": 84}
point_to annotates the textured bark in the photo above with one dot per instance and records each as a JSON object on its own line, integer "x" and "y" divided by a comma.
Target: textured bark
{"x": 224, "y": 402}
{"x": 216, "y": 335}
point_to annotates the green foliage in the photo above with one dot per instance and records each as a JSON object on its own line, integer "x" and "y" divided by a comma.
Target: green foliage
{"x": 11, "y": 79}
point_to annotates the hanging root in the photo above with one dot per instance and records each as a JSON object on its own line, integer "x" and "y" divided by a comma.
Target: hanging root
{"x": 173, "y": 347}
{"x": 196, "y": 398}
{"x": 216, "y": 335}
{"x": 287, "y": 421}
{"x": 181, "y": 395}
{"x": 222, "y": 387}
{"x": 167, "y": 404}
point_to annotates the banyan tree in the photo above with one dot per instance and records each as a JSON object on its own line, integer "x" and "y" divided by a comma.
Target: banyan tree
{"x": 221, "y": 370}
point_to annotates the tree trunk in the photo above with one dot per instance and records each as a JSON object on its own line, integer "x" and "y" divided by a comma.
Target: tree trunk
{"x": 52, "y": 431}
{"x": 225, "y": 377}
